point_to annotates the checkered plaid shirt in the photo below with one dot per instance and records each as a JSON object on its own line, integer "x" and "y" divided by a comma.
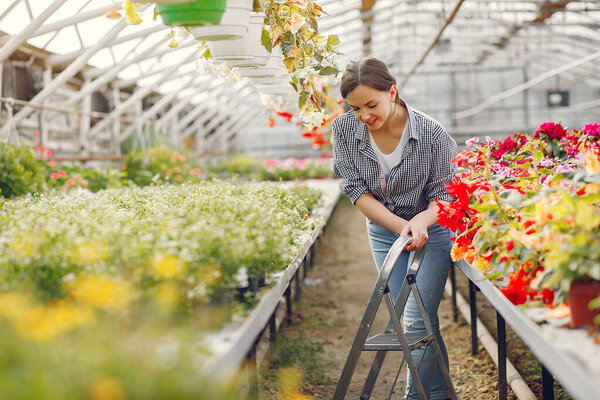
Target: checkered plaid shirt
{"x": 416, "y": 181}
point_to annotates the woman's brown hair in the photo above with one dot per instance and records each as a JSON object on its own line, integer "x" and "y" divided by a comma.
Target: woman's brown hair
{"x": 367, "y": 71}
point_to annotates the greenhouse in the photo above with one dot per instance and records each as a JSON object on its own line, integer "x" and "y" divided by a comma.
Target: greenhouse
{"x": 231, "y": 199}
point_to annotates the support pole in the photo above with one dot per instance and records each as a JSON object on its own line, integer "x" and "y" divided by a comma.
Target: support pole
{"x": 501, "y": 327}
{"x": 473, "y": 306}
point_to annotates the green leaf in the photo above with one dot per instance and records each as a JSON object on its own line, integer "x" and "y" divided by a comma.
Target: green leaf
{"x": 328, "y": 71}
{"x": 302, "y": 98}
{"x": 266, "y": 40}
{"x": 333, "y": 40}
{"x": 494, "y": 275}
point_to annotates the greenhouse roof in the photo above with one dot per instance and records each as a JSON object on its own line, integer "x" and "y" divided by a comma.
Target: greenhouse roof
{"x": 544, "y": 39}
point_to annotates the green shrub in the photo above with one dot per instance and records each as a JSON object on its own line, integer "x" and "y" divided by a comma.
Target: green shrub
{"x": 20, "y": 172}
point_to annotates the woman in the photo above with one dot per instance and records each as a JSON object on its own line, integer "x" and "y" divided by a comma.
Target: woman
{"x": 394, "y": 162}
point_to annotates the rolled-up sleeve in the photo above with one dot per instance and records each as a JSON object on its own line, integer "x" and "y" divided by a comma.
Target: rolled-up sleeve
{"x": 343, "y": 166}
{"x": 443, "y": 169}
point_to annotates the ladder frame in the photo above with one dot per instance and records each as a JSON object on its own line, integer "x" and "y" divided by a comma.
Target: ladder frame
{"x": 381, "y": 291}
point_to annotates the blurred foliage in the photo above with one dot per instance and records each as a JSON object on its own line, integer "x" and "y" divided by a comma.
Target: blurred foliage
{"x": 161, "y": 164}
{"x": 20, "y": 172}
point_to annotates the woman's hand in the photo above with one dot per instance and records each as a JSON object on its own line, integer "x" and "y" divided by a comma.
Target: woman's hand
{"x": 417, "y": 227}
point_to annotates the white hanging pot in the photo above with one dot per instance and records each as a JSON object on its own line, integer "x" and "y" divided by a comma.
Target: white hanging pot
{"x": 281, "y": 88}
{"x": 258, "y": 72}
{"x": 274, "y": 66}
{"x": 268, "y": 80}
{"x": 234, "y": 23}
{"x": 245, "y": 52}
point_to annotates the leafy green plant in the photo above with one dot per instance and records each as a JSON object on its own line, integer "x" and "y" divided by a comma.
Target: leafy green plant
{"x": 20, "y": 172}
{"x": 161, "y": 164}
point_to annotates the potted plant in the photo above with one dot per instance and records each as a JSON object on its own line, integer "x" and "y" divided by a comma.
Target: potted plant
{"x": 233, "y": 25}
{"x": 194, "y": 13}
{"x": 527, "y": 209}
{"x": 246, "y": 51}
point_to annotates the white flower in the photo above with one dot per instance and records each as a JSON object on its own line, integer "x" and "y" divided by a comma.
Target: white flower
{"x": 242, "y": 277}
{"x": 311, "y": 117}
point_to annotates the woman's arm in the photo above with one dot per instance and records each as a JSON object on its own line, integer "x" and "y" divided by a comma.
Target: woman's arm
{"x": 418, "y": 225}
{"x": 378, "y": 213}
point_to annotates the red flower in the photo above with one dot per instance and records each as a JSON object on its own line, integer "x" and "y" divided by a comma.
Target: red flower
{"x": 61, "y": 172}
{"x": 286, "y": 115}
{"x": 551, "y": 130}
{"x": 41, "y": 148}
{"x": 517, "y": 295}
{"x": 509, "y": 244}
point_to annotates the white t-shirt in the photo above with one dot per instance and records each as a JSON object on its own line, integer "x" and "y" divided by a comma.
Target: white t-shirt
{"x": 389, "y": 161}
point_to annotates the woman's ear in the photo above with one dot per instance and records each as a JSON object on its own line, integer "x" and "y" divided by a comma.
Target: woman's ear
{"x": 393, "y": 93}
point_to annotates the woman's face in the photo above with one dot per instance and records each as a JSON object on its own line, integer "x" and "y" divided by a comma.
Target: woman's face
{"x": 371, "y": 106}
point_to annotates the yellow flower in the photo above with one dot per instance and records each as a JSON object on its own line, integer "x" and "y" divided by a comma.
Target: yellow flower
{"x": 46, "y": 322}
{"x": 167, "y": 266}
{"x": 131, "y": 12}
{"x": 106, "y": 388}
{"x": 173, "y": 44}
{"x": 101, "y": 292}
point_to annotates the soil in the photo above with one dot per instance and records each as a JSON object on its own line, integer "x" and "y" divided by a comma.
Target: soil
{"x": 332, "y": 304}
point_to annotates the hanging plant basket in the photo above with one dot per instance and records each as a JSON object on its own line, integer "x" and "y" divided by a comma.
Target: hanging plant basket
{"x": 245, "y": 52}
{"x": 234, "y": 23}
{"x": 273, "y": 68}
{"x": 194, "y": 13}
{"x": 579, "y": 296}
{"x": 163, "y": 1}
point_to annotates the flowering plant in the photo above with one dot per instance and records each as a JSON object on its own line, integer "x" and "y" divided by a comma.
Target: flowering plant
{"x": 161, "y": 164}
{"x": 307, "y": 55}
{"x": 525, "y": 210}
{"x": 177, "y": 234}
{"x": 274, "y": 168}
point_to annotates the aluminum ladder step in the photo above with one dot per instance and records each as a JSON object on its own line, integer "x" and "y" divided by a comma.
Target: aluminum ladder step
{"x": 389, "y": 341}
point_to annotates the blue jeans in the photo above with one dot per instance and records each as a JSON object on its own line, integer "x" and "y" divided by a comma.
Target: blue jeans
{"x": 430, "y": 281}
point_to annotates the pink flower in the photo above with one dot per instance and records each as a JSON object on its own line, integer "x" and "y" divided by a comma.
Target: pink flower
{"x": 61, "y": 172}
{"x": 195, "y": 171}
{"x": 41, "y": 148}
{"x": 36, "y": 133}
{"x": 177, "y": 170}
{"x": 70, "y": 181}
{"x": 54, "y": 175}
{"x": 472, "y": 141}
{"x": 49, "y": 153}
{"x": 563, "y": 168}
{"x": 83, "y": 183}
{"x": 592, "y": 129}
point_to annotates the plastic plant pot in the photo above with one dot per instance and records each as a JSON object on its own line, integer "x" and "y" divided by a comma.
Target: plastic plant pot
{"x": 195, "y": 13}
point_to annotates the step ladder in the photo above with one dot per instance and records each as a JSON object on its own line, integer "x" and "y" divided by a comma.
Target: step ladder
{"x": 394, "y": 338}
